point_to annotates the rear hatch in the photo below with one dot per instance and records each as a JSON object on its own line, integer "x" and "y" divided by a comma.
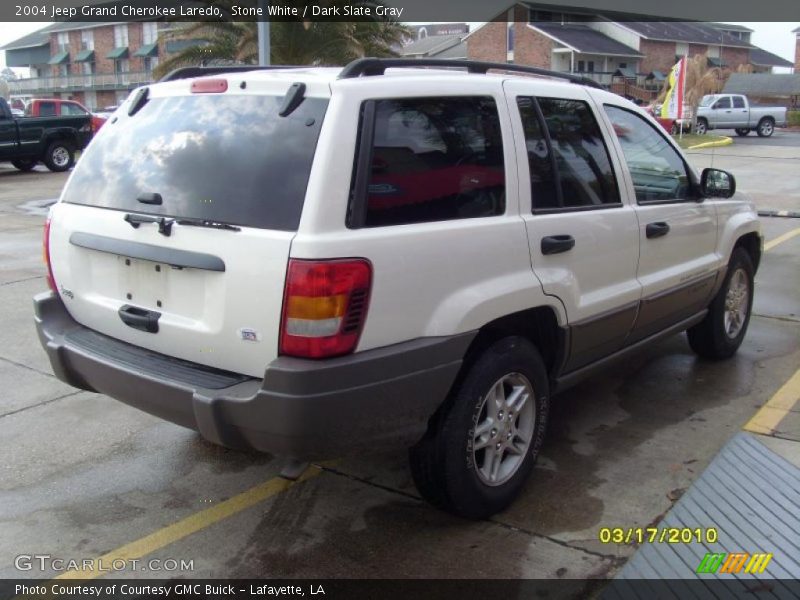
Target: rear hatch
{"x": 173, "y": 233}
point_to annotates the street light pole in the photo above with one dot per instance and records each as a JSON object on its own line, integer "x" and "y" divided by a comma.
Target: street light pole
{"x": 263, "y": 34}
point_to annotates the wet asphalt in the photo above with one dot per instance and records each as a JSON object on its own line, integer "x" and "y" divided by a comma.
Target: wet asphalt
{"x": 82, "y": 475}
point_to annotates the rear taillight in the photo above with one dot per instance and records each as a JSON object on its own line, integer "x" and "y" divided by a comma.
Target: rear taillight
{"x": 324, "y": 307}
{"x": 51, "y": 282}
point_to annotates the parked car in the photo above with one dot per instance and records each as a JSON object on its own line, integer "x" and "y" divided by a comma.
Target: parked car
{"x": 24, "y": 141}
{"x": 734, "y": 111}
{"x": 55, "y": 107}
{"x": 312, "y": 262}
{"x": 16, "y": 112}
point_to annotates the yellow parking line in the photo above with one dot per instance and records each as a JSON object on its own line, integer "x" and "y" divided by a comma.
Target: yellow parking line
{"x": 781, "y": 238}
{"x": 191, "y": 524}
{"x": 766, "y": 420}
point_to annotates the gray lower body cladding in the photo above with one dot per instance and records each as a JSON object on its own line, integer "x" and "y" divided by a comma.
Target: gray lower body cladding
{"x": 307, "y": 409}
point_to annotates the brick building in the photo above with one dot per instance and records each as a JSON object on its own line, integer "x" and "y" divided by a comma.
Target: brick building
{"x": 96, "y": 64}
{"x": 631, "y": 55}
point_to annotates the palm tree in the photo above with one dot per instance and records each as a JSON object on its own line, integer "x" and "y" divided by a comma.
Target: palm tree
{"x": 700, "y": 80}
{"x": 291, "y": 42}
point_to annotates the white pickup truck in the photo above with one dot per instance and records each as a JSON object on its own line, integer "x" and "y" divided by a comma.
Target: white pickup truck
{"x": 734, "y": 111}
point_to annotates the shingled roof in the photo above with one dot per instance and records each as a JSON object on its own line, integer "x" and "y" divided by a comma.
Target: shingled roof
{"x": 764, "y": 84}
{"x": 692, "y": 33}
{"x": 585, "y": 40}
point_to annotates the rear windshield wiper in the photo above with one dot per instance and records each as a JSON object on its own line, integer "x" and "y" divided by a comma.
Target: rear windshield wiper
{"x": 206, "y": 223}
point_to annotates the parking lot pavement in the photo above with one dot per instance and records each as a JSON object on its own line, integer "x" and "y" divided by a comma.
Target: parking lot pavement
{"x": 84, "y": 476}
{"x": 765, "y": 168}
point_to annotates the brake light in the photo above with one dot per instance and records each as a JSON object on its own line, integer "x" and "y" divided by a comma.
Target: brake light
{"x": 324, "y": 307}
{"x": 51, "y": 282}
{"x": 209, "y": 86}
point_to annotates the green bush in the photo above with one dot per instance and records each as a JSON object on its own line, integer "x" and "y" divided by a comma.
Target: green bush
{"x": 794, "y": 118}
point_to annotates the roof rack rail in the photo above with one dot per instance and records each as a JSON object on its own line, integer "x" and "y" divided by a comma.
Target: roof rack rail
{"x": 377, "y": 66}
{"x": 190, "y": 72}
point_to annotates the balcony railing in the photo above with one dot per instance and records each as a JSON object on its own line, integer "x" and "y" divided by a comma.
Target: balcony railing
{"x": 98, "y": 81}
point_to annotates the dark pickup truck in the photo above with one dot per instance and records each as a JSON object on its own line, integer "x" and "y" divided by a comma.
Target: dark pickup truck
{"x": 53, "y": 140}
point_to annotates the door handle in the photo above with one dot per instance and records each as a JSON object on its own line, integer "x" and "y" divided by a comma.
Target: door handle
{"x": 655, "y": 230}
{"x": 139, "y": 318}
{"x": 727, "y": 111}
{"x": 555, "y": 244}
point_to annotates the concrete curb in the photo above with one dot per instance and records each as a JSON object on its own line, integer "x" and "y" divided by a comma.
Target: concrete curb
{"x": 725, "y": 141}
{"x": 792, "y": 214}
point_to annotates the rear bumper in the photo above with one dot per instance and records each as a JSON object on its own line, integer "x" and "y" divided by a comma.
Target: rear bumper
{"x": 302, "y": 408}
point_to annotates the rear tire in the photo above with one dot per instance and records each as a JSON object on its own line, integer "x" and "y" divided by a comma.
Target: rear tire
{"x": 742, "y": 131}
{"x": 701, "y": 127}
{"x": 60, "y": 156}
{"x": 500, "y": 403}
{"x": 25, "y": 164}
{"x": 766, "y": 127}
{"x": 720, "y": 334}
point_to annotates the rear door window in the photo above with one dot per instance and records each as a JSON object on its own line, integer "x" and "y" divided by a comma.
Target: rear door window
{"x": 432, "y": 159}
{"x": 225, "y": 158}
{"x": 568, "y": 160}
{"x": 738, "y": 102}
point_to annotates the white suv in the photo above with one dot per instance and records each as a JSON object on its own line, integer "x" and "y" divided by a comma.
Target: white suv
{"x": 315, "y": 261}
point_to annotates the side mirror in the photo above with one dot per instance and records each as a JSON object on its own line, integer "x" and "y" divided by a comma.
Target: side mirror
{"x": 716, "y": 183}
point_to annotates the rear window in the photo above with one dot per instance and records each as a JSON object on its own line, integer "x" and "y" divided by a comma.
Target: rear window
{"x": 229, "y": 159}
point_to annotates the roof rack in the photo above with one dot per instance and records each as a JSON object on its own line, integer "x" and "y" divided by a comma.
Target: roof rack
{"x": 377, "y": 66}
{"x": 190, "y": 72}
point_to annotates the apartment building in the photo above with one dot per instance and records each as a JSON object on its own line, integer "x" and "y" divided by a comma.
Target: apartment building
{"x": 96, "y": 64}
{"x": 629, "y": 57}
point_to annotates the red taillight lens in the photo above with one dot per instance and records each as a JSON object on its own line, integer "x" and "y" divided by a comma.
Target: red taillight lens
{"x": 51, "y": 282}
{"x": 324, "y": 307}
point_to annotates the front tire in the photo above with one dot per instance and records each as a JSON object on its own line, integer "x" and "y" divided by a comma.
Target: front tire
{"x": 482, "y": 445}
{"x": 701, "y": 127}
{"x": 25, "y": 164}
{"x": 720, "y": 334}
{"x": 742, "y": 131}
{"x": 60, "y": 156}
{"x": 766, "y": 127}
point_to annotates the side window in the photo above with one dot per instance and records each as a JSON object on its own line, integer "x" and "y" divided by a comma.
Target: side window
{"x": 569, "y": 162}
{"x": 723, "y": 102}
{"x": 657, "y": 170}
{"x": 47, "y": 109}
{"x": 72, "y": 109}
{"x": 738, "y": 102}
{"x": 434, "y": 159}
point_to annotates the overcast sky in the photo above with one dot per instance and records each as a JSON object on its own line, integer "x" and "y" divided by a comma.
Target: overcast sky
{"x": 775, "y": 37}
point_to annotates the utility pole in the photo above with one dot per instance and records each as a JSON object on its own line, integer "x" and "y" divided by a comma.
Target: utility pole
{"x": 263, "y": 34}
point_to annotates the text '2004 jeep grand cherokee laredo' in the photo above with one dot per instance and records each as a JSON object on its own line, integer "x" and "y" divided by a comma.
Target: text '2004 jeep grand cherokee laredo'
{"x": 312, "y": 261}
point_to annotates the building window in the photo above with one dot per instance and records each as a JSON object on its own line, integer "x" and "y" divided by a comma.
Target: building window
{"x": 581, "y": 66}
{"x": 63, "y": 70}
{"x": 121, "y": 36}
{"x": 87, "y": 39}
{"x": 681, "y": 50}
{"x": 123, "y": 65}
{"x": 510, "y": 36}
{"x": 590, "y": 66}
{"x": 623, "y": 65}
{"x": 149, "y": 33}
{"x": 150, "y": 63}
{"x": 87, "y": 68}
{"x": 62, "y": 40}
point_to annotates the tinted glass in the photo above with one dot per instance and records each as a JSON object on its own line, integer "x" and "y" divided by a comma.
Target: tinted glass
{"x": 723, "y": 103}
{"x": 584, "y": 167}
{"x": 657, "y": 170}
{"x": 47, "y": 109}
{"x": 224, "y": 158}
{"x": 435, "y": 159}
{"x": 544, "y": 183}
{"x": 72, "y": 109}
{"x": 738, "y": 102}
